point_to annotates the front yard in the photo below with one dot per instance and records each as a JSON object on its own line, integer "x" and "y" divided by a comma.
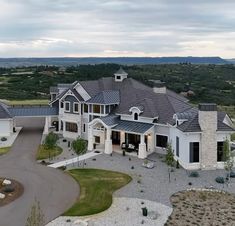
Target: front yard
{"x": 44, "y": 153}
{"x": 96, "y": 189}
{"x": 202, "y": 208}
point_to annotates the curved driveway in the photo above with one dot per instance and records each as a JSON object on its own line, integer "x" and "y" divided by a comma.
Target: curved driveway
{"x": 55, "y": 190}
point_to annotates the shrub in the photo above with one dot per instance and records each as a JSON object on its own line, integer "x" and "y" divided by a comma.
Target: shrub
{"x": 50, "y": 140}
{"x": 194, "y": 174}
{"x": 232, "y": 174}
{"x": 219, "y": 180}
{"x": 3, "y": 139}
{"x": 8, "y": 189}
{"x": 79, "y": 146}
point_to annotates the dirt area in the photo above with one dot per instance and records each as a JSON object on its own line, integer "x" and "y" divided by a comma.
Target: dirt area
{"x": 207, "y": 208}
{"x": 12, "y": 191}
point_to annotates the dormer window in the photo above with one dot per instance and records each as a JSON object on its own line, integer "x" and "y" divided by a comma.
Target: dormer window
{"x": 120, "y": 75}
{"x": 136, "y": 116}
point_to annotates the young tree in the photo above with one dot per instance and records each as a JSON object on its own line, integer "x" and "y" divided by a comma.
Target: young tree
{"x": 50, "y": 140}
{"x": 228, "y": 158}
{"x": 169, "y": 159}
{"x": 36, "y": 217}
{"x": 79, "y": 146}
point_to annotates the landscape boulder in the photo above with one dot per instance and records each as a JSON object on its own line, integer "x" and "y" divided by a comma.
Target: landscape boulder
{"x": 2, "y": 196}
{"x": 6, "y": 182}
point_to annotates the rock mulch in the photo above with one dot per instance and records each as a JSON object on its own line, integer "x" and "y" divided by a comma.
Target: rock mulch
{"x": 123, "y": 212}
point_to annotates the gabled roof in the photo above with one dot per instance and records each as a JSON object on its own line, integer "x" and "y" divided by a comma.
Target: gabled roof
{"x": 4, "y": 112}
{"x": 110, "y": 120}
{"x": 105, "y": 97}
{"x": 192, "y": 124}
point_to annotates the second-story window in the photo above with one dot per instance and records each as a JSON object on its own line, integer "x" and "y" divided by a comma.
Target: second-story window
{"x": 76, "y": 108}
{"x": 96, "y": 109}
{"x": 85, "y": 108}
{"x": 67, "y": 106}
{"x": 61, "y": 104}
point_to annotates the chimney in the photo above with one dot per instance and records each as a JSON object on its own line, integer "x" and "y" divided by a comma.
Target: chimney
{"x": 207, "y": 118}
{"x": 159, "y": 86}
{"x": 159, "y": 90}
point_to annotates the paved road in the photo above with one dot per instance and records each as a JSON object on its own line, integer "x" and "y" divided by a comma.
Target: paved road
{"x": 55, "y": 190}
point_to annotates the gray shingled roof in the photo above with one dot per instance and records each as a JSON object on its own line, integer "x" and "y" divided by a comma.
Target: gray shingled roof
{"x": 192, "y": 125}
{"x": 132, "y": 127}
{"x": 33, "y": 111}
{"x": 121, "y": 71}
{"x": 4, "y": 112}
{"x": 106, "y": 97}
{"x": 110, "y": 120}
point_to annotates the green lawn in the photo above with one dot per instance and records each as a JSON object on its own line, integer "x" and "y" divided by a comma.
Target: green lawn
{"x": 4, "y": 150}
{"x": 96, "y": 189}
{"x": 44, "y": 153}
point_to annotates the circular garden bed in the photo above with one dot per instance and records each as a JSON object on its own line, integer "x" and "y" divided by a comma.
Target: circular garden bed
{"x": 10, "y": 191}
{"x": 202, "y": 207}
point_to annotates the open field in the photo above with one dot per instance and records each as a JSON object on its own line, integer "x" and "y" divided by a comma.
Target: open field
{"x": 96, "y": 189}
{"x": 28, "y": 102}
{"x": 202, "y": 208}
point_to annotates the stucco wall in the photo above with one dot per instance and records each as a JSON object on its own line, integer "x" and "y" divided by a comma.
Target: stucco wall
{"x": 6, "y": 127}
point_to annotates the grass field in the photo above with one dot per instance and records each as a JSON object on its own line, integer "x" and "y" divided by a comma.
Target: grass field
{"x": 96, "y": 189}
{"x": 28, "y": 102}
{"x": 4, "y": 150}
{"x": 44, "y": 153}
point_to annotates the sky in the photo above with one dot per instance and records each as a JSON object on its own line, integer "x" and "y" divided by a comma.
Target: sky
{"x": 112, "y": 28}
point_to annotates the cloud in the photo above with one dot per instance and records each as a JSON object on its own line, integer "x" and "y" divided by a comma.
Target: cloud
{"x": 116, "y": 27}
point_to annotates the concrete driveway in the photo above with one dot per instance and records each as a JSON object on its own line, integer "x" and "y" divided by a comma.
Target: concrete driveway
{"x": 55, "y": 190}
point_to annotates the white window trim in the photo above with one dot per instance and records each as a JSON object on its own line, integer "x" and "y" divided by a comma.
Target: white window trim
{"x": 74, "y": 107}
{"x": 160, "y": 134}
{"x": 65, "y": 106}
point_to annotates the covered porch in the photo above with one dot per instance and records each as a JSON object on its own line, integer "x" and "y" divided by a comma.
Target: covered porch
{"x": 134, "y": 137}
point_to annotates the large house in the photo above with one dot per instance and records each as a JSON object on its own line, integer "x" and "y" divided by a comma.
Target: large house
{"x": 116, "y": 112}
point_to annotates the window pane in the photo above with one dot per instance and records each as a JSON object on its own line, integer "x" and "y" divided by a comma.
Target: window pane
{"x": 71, "y": 127}
{"x": 67, "y": 106}
{"x": 220, "y": 156}
{"x": 96, "y": 109}
{"x": 177, "y": 146}
{"x": 161, "y": 141}
{"x": 75, "y": 107}
{"x": 85, "y": 108}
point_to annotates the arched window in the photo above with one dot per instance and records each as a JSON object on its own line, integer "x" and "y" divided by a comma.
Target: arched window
{"x": 136, "y": 116}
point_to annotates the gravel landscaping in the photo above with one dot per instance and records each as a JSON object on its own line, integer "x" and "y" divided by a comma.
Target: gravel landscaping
{"x": 123, "y": 212}
{"x": 202, "y": 208}
{"x": 153, "y": 184}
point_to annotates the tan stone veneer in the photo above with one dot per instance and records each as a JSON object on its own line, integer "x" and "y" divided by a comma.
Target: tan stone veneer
{"x": 207, "y": 118}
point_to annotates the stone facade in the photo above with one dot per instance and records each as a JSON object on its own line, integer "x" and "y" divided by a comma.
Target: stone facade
{"x": 208, "y": 145}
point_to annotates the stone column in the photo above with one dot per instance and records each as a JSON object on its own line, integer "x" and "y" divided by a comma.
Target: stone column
{"x": 90, "y": 138}
{"x": 108, "y": 149}
{"x": 142, "y": 148}
{"x": 122, "y": 137}
{"x": 46, "y": 126}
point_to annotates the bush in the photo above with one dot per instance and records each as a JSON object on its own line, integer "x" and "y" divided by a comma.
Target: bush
{"x": 8, "y": 189}
{"x": 194, "y": 174}
{"x": 50, "y": 140}
{"x": 219, "y": 180}
{"x": 79, "y": 146}
{"x": 3, "y": 139}
{"x": 232, "y": 174}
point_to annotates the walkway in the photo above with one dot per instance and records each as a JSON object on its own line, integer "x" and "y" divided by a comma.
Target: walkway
{"x": 55, "y": 190}
{"x": 74, "y": 160}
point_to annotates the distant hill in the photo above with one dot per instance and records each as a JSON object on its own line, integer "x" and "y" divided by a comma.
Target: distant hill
{"x": 67, "y": 61}
{"x": 231, "y": 60}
